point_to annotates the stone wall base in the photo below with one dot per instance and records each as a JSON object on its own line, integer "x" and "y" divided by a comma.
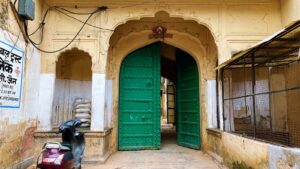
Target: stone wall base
{"x": 96, "y": 144}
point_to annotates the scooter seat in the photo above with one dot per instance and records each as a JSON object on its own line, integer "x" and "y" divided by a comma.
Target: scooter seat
{"x": 62, "y": 146}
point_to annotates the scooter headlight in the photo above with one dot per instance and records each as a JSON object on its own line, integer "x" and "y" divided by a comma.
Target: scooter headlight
{"x": 59, "y": 159}
{"x": 40, "y": 159}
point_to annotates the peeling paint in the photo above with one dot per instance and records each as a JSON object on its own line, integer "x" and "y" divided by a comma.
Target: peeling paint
{"x": 3, "y": 15}
{"x": 284, "y": 158}
{"x": 15, "y": 142}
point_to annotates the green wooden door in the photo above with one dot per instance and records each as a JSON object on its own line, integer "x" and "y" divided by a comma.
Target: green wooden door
{"x": 139, "y": 100}
{"x": 188, "y": 133}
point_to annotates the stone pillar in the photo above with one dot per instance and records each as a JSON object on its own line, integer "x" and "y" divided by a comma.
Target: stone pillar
{"x": 46, "y": 92}
{"x": 98, "y": 102}
{"x": 211, "y": 103}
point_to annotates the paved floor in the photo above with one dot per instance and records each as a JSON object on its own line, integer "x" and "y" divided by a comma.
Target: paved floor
{"x": 171, "y": 156}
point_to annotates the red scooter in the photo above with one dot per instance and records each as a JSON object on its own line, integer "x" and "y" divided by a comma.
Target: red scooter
{"x": 67, "y": 154}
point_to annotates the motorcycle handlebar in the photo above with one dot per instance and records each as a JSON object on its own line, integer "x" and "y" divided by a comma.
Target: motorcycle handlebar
{"x": 70, "y": 124}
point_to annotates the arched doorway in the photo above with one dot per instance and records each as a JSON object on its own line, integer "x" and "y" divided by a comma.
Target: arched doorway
{"x": 189, "y": 36}
{"x": 139, "y": 97}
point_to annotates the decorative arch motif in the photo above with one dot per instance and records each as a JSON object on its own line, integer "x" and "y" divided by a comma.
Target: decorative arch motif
{"x": 157, "y": 12}
{"x": 187, "y": 15}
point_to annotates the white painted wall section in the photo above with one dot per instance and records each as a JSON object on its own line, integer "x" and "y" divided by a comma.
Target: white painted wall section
{"x": 212, "y": 103}
{"x": 32, "y": 78}
{"x": 66, "y": 91}
{"x": 46, "y": 92}
{"x": 98, "y": 102}
{"x": 221, "y": 106}
{"x": 108, "y": 104}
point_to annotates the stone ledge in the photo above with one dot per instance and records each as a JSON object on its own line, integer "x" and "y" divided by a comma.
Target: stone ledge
{"x": 215, "y": 132}
{"x": 87, "y": 133}
{"x": 96, "y": 144}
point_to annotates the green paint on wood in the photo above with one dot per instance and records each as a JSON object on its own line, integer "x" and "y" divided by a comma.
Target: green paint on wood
{"x": 188, "y": 132}
{"x": 139, "y": 100}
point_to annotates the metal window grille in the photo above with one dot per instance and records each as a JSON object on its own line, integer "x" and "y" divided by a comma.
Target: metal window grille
{"x": 261, "y": 90}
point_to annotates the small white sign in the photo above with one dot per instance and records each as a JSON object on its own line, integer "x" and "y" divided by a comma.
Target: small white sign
{"x": 11, "y": 73}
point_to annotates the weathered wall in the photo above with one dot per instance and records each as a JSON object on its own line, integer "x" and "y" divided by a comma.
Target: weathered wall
{"x": 233, "y": 25}
{"x": 17, "y": 125}
{"x": 240, "y": 151}
{"x": 74, "y": 65}
{"x": 208, "y": 30}
{"x": 290, "y": 11}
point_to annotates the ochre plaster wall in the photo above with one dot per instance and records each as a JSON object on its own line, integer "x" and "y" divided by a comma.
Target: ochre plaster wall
{"x": 235, "y": 25}
{"x": 236, "y": 150}
{"x": 74, "y": 65}
{"x": 18, "y": 125}
{"x": 229, "y": 26}
{"x": 290, "y": 11}
{"x": 208, "y": 30}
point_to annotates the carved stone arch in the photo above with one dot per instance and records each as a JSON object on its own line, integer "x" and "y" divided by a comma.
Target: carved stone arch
{"x": 180, "y": 40}
{"x": 193, "y": 51}
{"x": 171, "y": 14}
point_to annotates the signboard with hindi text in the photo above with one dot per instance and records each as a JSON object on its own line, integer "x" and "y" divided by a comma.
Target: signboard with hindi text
{"x": 11, "y": 73}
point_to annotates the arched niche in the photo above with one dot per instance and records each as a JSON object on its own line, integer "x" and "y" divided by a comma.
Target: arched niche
{"x": 73, "y": 82}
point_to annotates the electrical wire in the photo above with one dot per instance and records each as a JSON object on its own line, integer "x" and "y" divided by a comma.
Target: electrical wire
{"x": 38, "y": 28}
{"x": 41, "y": 39}
{"x": 45, "y": 51}
{"x": 61, "y": 9}
{"x": 76, "y": 13}
{"x": 83, "y": 22}
{"x": 15, "y": 43}
{"x": 42, "y": 24}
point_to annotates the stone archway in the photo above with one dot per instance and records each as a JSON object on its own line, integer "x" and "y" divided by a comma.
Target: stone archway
{"x": 204, "y": 53}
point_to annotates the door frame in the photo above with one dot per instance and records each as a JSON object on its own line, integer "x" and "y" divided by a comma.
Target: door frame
{"x": 199, "y": 88}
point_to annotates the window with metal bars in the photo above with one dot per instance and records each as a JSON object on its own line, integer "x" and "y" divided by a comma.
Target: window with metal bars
{"x": 261, "y": 90}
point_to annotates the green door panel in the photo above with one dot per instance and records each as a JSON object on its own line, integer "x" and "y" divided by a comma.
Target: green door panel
{"x": 187, "y": 97}
{"x": 139, "y": 100}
